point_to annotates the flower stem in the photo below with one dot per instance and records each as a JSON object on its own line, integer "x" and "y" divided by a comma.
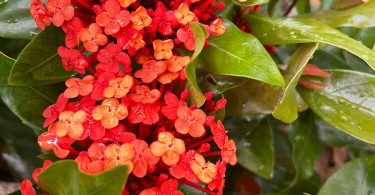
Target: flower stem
{"x": 81, "y": 3}
{"x": 200, "y": 188}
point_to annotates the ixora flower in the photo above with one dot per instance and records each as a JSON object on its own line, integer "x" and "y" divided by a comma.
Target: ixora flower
{"x": 129, "y": 105}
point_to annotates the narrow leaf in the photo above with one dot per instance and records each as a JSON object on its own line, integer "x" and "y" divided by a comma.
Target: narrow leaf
{"x": 200, "y": 37}
{"x": 249, "y": 2}
{"x": 287, "y": 109}
{"x": 361, "y": 16}
{"x": 300, "y": 30}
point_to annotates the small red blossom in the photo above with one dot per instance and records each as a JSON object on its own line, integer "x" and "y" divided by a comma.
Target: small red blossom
{"x": 143, "y": 159}
{"x": 172, "y": 104}
{"x": 72, "y": 28}
{"x": 51, "y": 113}
{"x": 39, "y": 12}
{"x": 111, "y": 57}
{"x": 219, "y": 133}
{"x": 112, "y": 18}
{"x": 151, "y": 70}
{"x": 72, "y": 60}
{"x": 144, "y": 113}
{"x": 163, "y": 49}
{"x": 228, "y": 153}
{"x": 27, "y": 188}
{"x": 190, "y": 121}
{"x": 92, "y": 37}
{"x": 168, "y": 187}
{"x": 182, "y": 169}
{"x": 76, "y": 86}
{"x": 62, "y": 11}
{"x": 37, "y": 171}
{"x": 140, "y": 18}
{"x": 144, "y": 95}
{"x": 186, "y": 36}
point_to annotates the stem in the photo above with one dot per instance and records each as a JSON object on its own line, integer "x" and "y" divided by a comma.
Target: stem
{"x": 81, "y": 3}
{"x": 210, "y": 154}
{"x": 206, "y": 140}
{"x": 186, "y": 182}
{"x": 290, "y": 7}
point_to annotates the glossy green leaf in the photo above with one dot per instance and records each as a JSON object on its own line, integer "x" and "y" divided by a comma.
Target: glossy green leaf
{"x": 20, "y": 147}
{"x": 27, "y": 103}
{"x": 335, "y": 138}
{"x": 39, "y": 63}
{"x": 286, "y": 109}
{"x": 356, "y": 177}
{"x": 223, "y": 57}
{"x": 200, "y": 37}
{"x": 249, "y": 2}
{"x": 15, "y": 20}
{"x": 64, "y": 177}
{"x": 361, "y": 16}
{"x": 347, "y": 102}
{"x": 305, "y": 148}
{"x": 12, "y": 47}
{"x": 254, "y": 143}
{"x": 254, "y": 97}
{"x": 300, "y": 30}
{"x": 218, "y": 84}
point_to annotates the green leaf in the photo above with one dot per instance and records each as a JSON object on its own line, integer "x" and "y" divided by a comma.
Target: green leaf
{"x": 240, "y": 54}
{"x": 347, "y": 102}
{"x": 300, "y": 30}
{"x": 254, "y": 141}
{"x": 16, "y": 21}
{"x": 361, "y": 16}
{"x": 218, "y": 84}
{"x": 64, "y": 177}
{"x": 250, "y": 2}
{"x": 39, "y": 63}
{"x": 20, "y": 147}
{"x": 355, "y": 177}
{"x": 254, "y": 97}
{"x": 335, "y": 138}
{"x": 200, "y": 37}
{"x": 12, "y": 47}
{"x": 27, "y": 103}
{"x": 306, "y": 148}
{"x": 287, "y": 109}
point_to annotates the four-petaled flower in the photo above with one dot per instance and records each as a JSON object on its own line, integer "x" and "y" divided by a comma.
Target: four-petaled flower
{"x": 92, "y": 37}
{"x": 190, "y": 121}
{"x": 110, "y": 112}
{"x": 168, "y": 148}
{"x": 62, "y": 11}
{"x": 113, "y": 18}
{"x": 205, "y": 171}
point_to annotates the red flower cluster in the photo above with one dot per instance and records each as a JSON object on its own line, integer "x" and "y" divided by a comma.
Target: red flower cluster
{"x": 131, "y": 108}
